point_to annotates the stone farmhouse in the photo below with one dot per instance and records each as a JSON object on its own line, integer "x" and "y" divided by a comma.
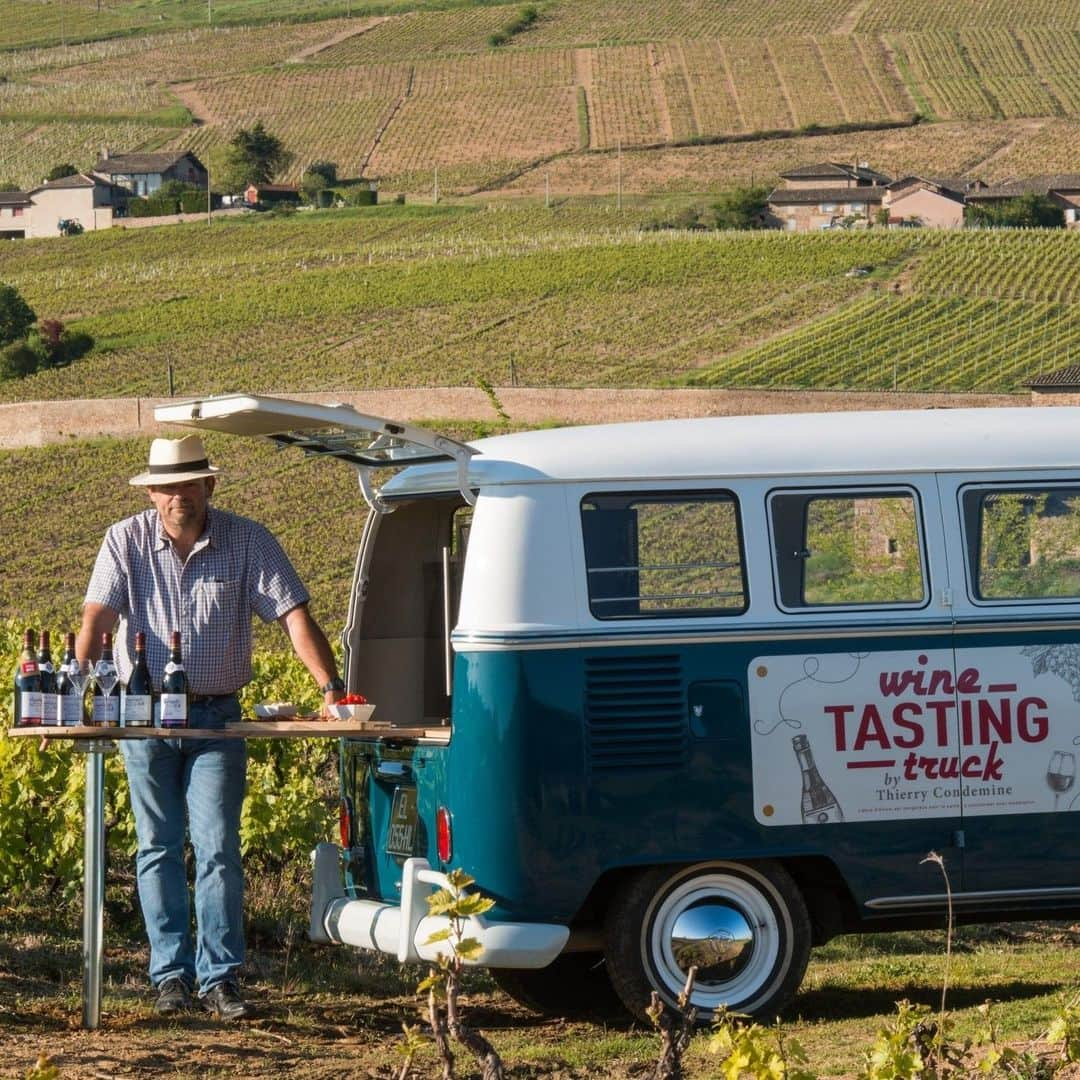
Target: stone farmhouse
{"x": 95, "y": 198}
{"x": 831, "y": 195}
{"x": 143, "y": 174}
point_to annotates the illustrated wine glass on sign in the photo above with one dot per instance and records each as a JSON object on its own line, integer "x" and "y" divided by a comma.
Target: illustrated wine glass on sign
{"x": 1061, "y": 773}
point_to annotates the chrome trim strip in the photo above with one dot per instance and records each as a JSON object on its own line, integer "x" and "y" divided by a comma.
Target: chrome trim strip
{"x": 466, "y": 641}
{"x": 973, "y": 899}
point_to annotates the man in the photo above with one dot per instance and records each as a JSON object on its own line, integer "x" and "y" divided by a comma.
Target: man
{"x": 182, "y": 565}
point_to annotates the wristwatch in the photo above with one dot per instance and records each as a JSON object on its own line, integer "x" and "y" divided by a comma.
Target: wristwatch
{"x": 335, "y": 684}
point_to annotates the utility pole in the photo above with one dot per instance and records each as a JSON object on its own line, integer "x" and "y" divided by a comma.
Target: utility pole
{"x": 618, "y": 181}
{"x": 436, "y": 184}
{"x": 209, "y": 195}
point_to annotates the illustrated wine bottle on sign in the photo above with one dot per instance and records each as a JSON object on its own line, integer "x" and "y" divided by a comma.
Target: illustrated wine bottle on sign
{"x": 819, "y": 804}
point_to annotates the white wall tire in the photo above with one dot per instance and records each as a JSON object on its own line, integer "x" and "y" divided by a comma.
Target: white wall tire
{"x": 744, "y": 925}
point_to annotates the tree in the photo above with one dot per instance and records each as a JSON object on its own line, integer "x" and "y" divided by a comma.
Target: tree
{"x": 58, "y": 172}
{"x": 741, "y": 208}
{"x": 318, "y": 176}
{"x": 16, "y": 315}
{"x": 1026, "y": 212}
{"x": 253, "y": 157}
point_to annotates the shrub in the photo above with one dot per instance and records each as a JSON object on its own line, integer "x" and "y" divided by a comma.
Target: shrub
{"x": 17, "y": 361}
{"x": 16, "y": 315}
{"x": 360, "y": 196}
{"x": 741, "y": 208}
{"x": 193, "y": 201}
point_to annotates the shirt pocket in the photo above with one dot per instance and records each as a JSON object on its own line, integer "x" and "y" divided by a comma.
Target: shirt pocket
{"x": 217, "y": 603}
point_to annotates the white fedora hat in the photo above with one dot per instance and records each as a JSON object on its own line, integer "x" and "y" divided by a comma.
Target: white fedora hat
{"x": 175, "y": 461}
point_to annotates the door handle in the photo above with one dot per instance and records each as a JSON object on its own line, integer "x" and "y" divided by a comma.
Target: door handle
{"x": 396, "y": 771}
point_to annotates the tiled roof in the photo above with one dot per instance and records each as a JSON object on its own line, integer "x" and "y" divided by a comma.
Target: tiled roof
{"x": 129, "y": 164}
{"x": 78, "y": 180}
{"x": 936, "y": 186}
{"x": 14, "y": 198}
{"x": 1066, "y": 378}
{"x": 802, "y": 196}
{"x": 1029, "y": 185}
{"x": 834, "y": 170}
{"x": 276, "y": 189}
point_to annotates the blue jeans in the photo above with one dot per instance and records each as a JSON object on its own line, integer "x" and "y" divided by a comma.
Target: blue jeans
{"x": 194, "y": 786}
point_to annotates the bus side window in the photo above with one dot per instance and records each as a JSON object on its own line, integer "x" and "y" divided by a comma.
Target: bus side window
{"x": 848, "y": 548}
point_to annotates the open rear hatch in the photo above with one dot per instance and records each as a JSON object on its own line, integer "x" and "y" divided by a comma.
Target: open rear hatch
{"x": 404, "y": 596}
{"x": 336, "y": 430}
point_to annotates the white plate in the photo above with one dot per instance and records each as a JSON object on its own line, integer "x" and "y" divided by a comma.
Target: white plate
{"x": 280, "y": 709}
{"x": 356, "y": 713}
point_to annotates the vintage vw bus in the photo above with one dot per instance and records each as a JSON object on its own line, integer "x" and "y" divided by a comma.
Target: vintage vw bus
{"x": 703, "y": 692}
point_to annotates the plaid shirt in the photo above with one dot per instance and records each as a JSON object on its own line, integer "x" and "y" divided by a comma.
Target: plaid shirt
{"x": 236, "y": 568}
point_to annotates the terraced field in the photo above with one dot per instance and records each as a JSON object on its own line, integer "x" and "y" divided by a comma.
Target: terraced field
{"x": 401, "y": 92}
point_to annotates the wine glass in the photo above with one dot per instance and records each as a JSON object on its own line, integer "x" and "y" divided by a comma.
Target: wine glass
{"x": 79, "y": 674}
{"x": 105, "y": 677}
{"x": 1060, "y": 773}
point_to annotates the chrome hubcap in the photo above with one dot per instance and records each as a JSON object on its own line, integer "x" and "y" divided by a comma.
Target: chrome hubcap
{"x": 714, "y": 937}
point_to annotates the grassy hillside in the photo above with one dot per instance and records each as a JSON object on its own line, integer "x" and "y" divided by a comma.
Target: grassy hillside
{"x": 579, "y": 295}
{"x": 396, "y": 92}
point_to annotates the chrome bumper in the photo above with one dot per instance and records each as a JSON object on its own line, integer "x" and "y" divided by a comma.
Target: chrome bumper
{"x": 403, "y": 930}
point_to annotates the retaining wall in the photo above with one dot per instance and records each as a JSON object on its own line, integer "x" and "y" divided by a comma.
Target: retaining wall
{"x": 37, "y": 423}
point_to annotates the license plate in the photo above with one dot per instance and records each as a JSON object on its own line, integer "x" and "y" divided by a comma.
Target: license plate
{"x": 401, "y": 833}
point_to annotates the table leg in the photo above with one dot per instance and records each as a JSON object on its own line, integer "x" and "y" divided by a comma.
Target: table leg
{"x": 93, "y": 885}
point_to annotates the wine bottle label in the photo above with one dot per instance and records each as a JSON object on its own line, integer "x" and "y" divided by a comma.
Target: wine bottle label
{"x": 70, "y": 709}
{"x": 174, "y": 710}
{"x": 135, "y": 710}
{"x": 172, "y": 666}
{"x": 106, "y": 710}
{"x": 48, "y": 709}
{"x": 30, "y": 706}
{"x": 28, "y": 667}
{"x": 47, "y": 667}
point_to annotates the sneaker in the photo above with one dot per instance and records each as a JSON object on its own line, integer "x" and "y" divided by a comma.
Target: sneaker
{"x": 174, "y": 996}
{"x": 225, "y": 1002}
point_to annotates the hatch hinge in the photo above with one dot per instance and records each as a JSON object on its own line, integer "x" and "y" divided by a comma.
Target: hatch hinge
{"x": 367, "y": 489}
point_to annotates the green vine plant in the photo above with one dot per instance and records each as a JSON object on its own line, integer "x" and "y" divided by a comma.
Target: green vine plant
{"x": 443, "y": 982}
{"x": 750, "y": 1050}
{"x": 1065, "y": 1028}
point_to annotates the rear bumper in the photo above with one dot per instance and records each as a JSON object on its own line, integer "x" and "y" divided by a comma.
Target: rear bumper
{"x": 403, "y": 930}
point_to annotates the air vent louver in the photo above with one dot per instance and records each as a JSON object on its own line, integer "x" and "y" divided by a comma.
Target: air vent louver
{"x": 635, "y": 713}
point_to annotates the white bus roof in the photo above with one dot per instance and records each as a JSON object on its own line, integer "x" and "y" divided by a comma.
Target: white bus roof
{"x": 937, "y": 440}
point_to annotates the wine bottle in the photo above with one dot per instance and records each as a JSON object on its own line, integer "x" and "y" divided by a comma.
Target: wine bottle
{"x": 819, "y": 804}
{"x": 28, "y": 703}
{"x": 48, "y": 680}
{"x": 174, "y": 687}
{"x": 105, "y": 708}
{"x": 136, "y": 704}
{"x": 69, "y": 690}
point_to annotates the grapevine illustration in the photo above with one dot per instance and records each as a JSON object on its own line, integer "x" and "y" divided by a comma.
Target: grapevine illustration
{"x": 1060, "y": 660}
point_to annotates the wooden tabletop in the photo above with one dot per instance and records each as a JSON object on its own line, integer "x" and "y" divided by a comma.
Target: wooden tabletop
{"x": 293, "y": 728}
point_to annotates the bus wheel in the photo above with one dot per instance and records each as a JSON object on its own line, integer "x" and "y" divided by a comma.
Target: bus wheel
{"x": 575, "y": 985}
{"x": 743, "y": 925}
